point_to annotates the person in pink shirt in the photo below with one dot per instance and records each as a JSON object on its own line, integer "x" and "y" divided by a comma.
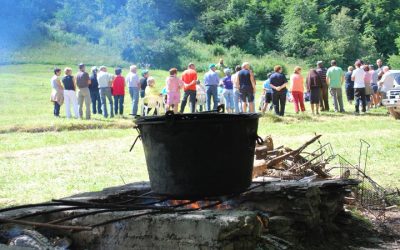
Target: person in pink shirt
{"x": 174, "y": 86}
{"x": 368, "y": 86}
{"x": 297, "y": 89}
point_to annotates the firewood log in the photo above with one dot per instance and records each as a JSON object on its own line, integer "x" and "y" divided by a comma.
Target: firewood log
{"x": 261, "y": 152}
{"x": 260, "y": 166}
{"x": 319, "y": 169}
{"x": 269, "y": 143}
{"x": 296, "y": 152}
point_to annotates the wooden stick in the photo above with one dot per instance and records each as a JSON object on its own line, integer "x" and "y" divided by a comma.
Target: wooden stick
{"x": 294, "y": 152}
{"x": 318, "y": 169}
{"x": 307, "y": 165}
{"x": 45, "y": 225}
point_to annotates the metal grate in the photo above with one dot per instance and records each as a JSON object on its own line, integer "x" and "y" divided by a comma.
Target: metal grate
{"x": 370, "y": 195}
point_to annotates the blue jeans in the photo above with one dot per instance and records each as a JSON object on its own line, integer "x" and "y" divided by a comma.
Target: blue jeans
{"x": 106, "y": 93}
{"x": 96, "y": 102}
{"x": 134, "y": 92}
{"x": 212, "y": 91}
{"x": 119, "y": 104}
{"x": 228, "y": 95}
{"x": 236, "y": 100}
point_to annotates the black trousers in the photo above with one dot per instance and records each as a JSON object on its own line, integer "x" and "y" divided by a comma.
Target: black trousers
{"x": 192, "y": 99}
{"x": 56, "y": 110}
{"x": 279, "y": 101}
{"x": 324, "y": 98}
{"x": 359, "y": 94}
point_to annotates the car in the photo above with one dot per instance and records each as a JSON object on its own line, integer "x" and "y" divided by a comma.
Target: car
{"x": 392, "y": 101}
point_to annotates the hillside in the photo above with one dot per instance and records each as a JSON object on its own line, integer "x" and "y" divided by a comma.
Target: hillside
{"x": 164, "y": 33}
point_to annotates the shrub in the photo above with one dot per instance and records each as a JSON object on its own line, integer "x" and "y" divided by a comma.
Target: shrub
{"x": 218, "y": 50}
{"x": 235, "y": 56}
{"x": 394, "y": 61}
{"x": 262, "y": 66}
{"x": 160, "y": 54}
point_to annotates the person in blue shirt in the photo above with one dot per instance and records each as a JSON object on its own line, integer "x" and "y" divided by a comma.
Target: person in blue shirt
{"x": 278, "y": 84}
{"x": 267, "y": 94}
{"x": 349, "y": 86}
{"x": 211, "y": 81}
{"x": 228, "y": 91}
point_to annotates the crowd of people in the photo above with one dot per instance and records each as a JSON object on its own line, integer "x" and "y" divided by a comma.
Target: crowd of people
{"x": 365, "y": 85}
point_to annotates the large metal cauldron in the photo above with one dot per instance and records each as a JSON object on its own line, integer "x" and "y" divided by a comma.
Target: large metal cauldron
{"x": 199, "y": 155}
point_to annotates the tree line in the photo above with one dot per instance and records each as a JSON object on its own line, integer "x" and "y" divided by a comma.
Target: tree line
{"x": 158, "y": 31}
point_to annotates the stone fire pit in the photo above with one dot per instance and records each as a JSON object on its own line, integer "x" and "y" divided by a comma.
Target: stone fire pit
{"x": 274, "y": 214}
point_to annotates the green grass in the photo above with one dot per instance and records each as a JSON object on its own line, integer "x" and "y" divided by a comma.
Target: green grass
{"x": 55, "y": 53}
{"x": 25, "y": 101}
{"x": 42, "y": 157}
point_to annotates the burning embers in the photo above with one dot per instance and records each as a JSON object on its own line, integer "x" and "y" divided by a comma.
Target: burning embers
{"x": 199, "y": 205}
{"x": 139, "y": 202}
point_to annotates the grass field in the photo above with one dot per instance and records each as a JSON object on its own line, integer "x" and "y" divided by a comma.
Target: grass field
{"x": 42, "y": 157}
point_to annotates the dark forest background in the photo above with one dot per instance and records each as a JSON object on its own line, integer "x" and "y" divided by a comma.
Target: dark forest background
{"x": 166, "y": 33}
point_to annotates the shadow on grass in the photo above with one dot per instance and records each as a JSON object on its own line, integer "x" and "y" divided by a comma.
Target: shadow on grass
{"x": 71, "y": 125}
{"x": 290, "y": 118}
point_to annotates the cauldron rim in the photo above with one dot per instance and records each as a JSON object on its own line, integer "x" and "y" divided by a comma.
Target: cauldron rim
{"x": 144, "y": 120}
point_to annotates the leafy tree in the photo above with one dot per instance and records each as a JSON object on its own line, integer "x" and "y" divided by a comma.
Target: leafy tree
{"x": 384, "y": 16}
{"x": 344, "y": 41}
{"x": 301, "y": 33}
{"x": 157, "y": 30}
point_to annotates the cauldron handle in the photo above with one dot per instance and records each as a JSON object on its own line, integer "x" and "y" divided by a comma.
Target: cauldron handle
{"x": 221, "y": 108}
{"x": 259, "y": 140}
{"x": 169, "y": 118}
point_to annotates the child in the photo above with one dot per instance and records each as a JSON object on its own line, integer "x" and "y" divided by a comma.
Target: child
{"x": 164, "y": 98}
{"x": 69, "y": 93}
{"x": 200, "y": 96}
{"x": 118, "y": 91}
{"x": 174, "y": 86}
{"x": 152, "y": 98}
{"x": 267, "y": 94}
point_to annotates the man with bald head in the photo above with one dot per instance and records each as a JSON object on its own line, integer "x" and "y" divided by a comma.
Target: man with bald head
{"x": 246, "y": 84}
{"x": 386, "y": 83}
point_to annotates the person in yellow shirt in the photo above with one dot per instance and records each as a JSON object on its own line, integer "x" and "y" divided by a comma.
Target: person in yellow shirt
{"x": 152, "y": 97}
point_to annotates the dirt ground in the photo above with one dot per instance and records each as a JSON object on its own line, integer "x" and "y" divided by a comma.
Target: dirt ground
{"x": 374, "y": 232}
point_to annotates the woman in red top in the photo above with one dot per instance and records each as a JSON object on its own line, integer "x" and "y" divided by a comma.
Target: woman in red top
{"x": 118, "y": 90}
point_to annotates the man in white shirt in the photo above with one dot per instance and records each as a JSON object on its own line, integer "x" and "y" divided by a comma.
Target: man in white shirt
{"x": 386, "y": 83}
{"x": 134, "y": 87}
{"x": 105, "y": 80}
{"x": 359, "y": 87}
